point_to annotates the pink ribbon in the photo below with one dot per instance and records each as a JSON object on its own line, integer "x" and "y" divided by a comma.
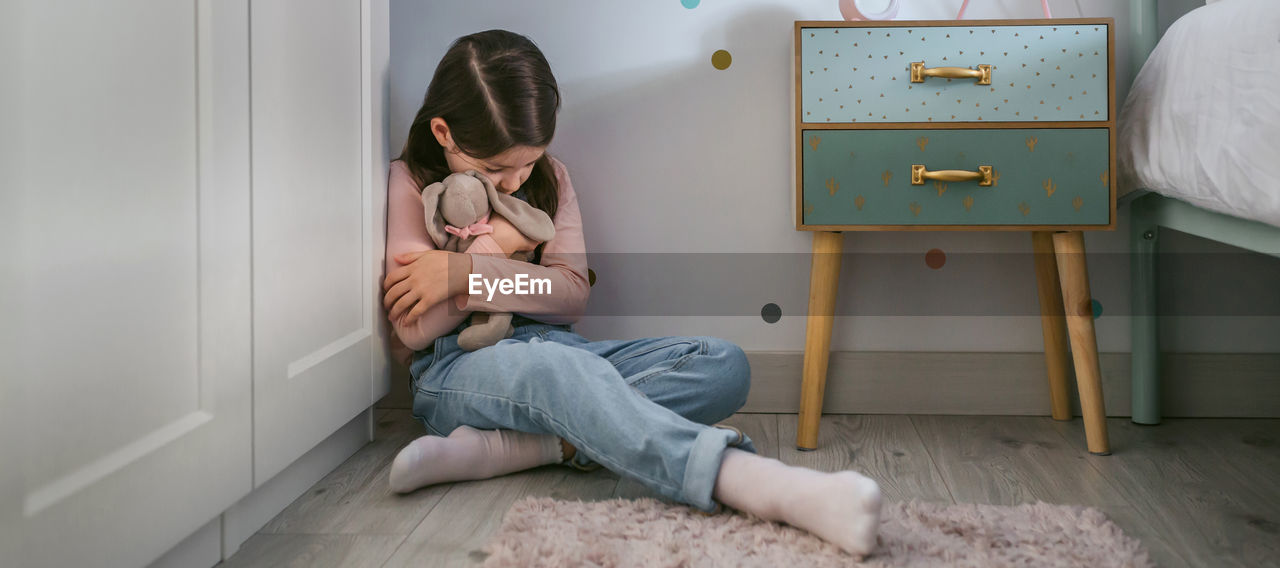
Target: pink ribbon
{"x": 478, "y": 228}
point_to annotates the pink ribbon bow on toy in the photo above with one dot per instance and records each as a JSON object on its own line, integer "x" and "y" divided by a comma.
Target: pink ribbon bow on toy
{"x": 478, "y": 228}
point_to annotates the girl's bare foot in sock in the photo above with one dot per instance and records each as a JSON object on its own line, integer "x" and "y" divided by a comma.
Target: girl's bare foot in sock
{"x": 468, "y": 453}
{"x": 842, "y": 508}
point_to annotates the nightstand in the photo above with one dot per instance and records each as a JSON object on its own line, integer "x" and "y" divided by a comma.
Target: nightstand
{"x": 972, "y": 125}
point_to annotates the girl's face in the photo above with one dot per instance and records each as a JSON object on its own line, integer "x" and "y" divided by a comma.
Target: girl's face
{"x": 507, "y": 171}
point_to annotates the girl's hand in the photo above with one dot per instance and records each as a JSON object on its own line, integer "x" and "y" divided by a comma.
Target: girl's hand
{"x": 427, "y": 278}
{"x": 508, "y": 237}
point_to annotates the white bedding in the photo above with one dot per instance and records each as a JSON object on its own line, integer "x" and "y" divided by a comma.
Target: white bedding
{"x": 1202, "y": 121}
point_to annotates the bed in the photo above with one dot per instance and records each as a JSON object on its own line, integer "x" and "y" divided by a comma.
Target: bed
{"x": 1198, "y": 150}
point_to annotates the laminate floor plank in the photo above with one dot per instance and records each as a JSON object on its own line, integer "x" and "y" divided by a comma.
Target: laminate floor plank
{"x": 355, "y": 498}
{"x": 264, "y": 550}
{"x": 455, "y": 529}
{"x": 1194, "y": 494}
{"x": 1010, "y": 460}
{"x": 883, "y": 447}
{"x": 1247, "y": 450}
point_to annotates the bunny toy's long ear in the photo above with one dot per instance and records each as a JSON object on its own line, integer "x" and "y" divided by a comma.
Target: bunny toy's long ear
{"x": 533, "y": 222}
{"x": 431, "y": 213}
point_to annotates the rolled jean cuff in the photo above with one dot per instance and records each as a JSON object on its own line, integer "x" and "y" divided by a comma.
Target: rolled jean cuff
{"x": 701, "y": 470}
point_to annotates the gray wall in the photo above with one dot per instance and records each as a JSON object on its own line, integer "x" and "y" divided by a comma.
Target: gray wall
{"x": 670, "y": 157}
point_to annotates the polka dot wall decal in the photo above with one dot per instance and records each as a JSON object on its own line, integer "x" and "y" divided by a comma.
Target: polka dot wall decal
{"x": 771, "y": 313}
{"x": 591, "y": 277}
{"x": 721, "y": 59}
{"x": 690, "y": 4}
{"x": 1097, "y": 308}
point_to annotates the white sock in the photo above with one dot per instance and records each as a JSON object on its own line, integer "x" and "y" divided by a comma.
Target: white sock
{"x": 842, "y": 508}
{"x": 468, "y": 453}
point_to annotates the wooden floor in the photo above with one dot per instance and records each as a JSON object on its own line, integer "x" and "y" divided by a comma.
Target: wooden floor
{"x": 1196, "y": 492}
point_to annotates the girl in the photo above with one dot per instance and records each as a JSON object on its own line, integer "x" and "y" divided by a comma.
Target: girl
{"x": 547, "y": 395}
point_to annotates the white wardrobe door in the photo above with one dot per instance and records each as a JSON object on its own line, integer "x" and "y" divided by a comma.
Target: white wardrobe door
{"x": 130, "y": 380}
{"x": 313, "y": 321}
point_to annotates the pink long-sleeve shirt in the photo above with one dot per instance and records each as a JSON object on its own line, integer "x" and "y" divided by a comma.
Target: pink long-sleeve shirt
{"x": 563, "y": 263}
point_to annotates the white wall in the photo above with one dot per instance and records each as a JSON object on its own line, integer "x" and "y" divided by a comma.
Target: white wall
{"x": 670, "y": 155}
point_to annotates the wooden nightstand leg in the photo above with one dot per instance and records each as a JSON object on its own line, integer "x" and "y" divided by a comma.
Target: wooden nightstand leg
{"x": 1078, "y": 304}
{"x": 1052, "y": 323}
{"x": 824, "y": 276}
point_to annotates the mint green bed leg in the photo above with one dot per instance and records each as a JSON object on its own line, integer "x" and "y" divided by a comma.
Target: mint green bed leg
{"x": 1144, "y": 235}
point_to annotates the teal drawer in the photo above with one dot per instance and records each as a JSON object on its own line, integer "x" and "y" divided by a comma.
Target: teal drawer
{"x": 850, "y": 73}
{"x": 1040, "y": 177}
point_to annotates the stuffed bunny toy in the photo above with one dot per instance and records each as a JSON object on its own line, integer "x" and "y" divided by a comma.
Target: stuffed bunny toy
{"x": 457, "y": 211}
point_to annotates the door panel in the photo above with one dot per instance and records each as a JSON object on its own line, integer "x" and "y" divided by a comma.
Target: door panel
{"x": 132, "y": 368}
{"x": 314, "y": 327}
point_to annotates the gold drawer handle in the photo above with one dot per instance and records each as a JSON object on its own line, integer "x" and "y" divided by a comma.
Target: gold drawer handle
{"x": 919, "y": 72}
{"x": 919, "y": 175}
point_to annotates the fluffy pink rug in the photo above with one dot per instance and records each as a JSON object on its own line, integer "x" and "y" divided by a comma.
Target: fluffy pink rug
{"x": 540, "y": 531}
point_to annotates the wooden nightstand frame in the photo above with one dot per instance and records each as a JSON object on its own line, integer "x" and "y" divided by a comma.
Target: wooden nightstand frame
{"x": 1061, "y": 274}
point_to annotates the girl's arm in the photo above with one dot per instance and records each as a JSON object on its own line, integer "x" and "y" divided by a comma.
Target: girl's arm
{"x": 563, "y": 264}
{"x": 407, "y": 232}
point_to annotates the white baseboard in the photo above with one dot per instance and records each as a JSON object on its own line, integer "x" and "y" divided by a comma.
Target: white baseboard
{"x": 202, "y": 548}
{"x": 222, "y": 537}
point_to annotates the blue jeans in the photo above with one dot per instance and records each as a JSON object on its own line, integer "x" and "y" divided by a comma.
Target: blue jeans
{"x": 642, "y": 408}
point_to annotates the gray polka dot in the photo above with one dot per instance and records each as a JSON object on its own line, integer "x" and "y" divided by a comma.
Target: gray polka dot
{"x": 771, "y": 313}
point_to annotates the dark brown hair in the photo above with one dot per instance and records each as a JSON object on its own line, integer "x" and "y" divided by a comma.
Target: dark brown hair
{"x": 495, "y": 90}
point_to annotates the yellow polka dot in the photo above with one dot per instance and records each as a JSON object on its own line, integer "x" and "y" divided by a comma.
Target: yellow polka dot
{"x": 721, "y": 59}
